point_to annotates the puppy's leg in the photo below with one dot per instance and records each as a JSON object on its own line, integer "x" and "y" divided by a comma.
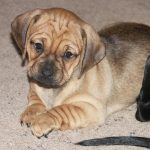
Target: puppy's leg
{"x": 77, "y": 112}
{"x": 35, "y": 107}
{"x": 143, "y": 108}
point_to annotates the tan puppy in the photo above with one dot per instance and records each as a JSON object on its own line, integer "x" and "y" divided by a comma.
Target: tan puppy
{"x": 77, "y": 78}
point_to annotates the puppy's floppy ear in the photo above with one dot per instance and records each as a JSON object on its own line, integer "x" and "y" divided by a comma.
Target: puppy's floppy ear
{"x": 21, "y": 25}
{"x": 93, "y": 49}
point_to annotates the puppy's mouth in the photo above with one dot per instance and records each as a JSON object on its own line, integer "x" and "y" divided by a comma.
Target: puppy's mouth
{"x": 47, "y": 82}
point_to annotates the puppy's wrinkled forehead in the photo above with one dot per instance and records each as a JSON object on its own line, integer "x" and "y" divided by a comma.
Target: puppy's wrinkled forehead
{"x": 57, "y": 26}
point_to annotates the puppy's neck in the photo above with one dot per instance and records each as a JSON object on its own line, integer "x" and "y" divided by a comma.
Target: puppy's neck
{"x": 53, "y": 97}
{"x": 73, "y": 86}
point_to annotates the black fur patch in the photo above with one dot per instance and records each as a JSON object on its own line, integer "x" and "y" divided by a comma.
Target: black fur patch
{"x": 122, "y": 140}
{"x": 143, "y": 100}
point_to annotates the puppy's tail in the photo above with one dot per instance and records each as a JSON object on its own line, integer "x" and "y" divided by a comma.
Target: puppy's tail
{"x": 120, "y": 140}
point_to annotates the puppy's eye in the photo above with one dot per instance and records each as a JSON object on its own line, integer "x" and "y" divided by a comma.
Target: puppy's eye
{"x": 68, "y": 55}
{"x": 38, "y": 47}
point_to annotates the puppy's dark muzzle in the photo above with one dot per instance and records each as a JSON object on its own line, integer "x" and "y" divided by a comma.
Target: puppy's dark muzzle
{"x": 46, "y": 76}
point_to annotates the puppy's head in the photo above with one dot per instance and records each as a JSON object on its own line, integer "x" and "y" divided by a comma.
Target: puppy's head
{"x": 58, "y": 45}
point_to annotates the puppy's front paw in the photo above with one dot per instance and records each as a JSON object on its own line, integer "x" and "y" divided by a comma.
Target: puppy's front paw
{"x": 30, "y": 113}
{"x": 43, "y": 124}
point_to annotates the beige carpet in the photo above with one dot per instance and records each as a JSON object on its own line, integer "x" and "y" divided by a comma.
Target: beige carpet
{"x": 14, "y": 86}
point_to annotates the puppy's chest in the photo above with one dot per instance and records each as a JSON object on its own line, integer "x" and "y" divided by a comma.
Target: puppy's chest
{"x": 46, "y": 96}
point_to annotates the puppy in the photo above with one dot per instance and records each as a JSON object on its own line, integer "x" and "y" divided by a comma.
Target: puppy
{"x": 78, "y": 76}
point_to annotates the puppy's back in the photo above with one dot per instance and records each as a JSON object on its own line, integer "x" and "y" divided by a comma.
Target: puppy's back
{"x": 127, "y": 47}
{"x": 125, "y": 41}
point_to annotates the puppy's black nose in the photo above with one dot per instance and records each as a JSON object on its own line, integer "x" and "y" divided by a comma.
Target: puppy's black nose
{"x": 47, "y": 70}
